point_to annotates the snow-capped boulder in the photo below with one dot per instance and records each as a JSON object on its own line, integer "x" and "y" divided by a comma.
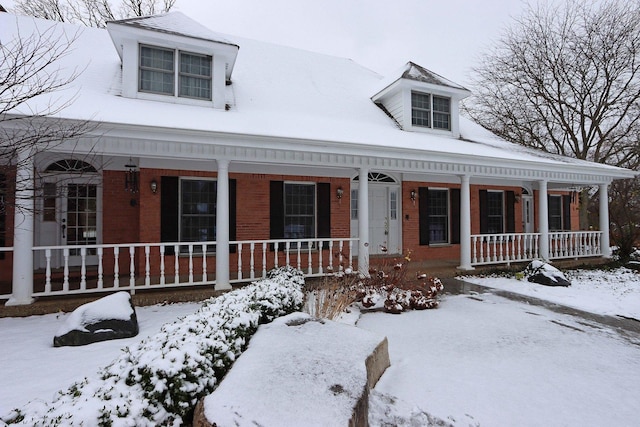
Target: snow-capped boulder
{"x": 545, "y": 274}
{"x": 297, "y": 366}
{"x": 110, "y": 317}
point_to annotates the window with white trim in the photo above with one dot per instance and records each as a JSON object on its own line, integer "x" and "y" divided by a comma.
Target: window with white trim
{"x": 299, "y": 210}
{"x": 158, "y": 72}
{"x": 198, "y": 201}
{"x": 555, "y": 212}
{"x": 438, "y": 206}
{"x": 430, "y": 111}
{"x": 495, "y": 212}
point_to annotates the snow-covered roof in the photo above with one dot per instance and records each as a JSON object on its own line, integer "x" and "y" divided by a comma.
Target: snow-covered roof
{"x": 174, "y": 23}
{"x": 279, "y": 93}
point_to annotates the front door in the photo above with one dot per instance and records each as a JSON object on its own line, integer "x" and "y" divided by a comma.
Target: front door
{"x": 384, "y": 227}
{"x": 69, "y": 216}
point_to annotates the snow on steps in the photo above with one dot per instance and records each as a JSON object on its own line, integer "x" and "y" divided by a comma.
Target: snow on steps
{"x": 299, "y": 370}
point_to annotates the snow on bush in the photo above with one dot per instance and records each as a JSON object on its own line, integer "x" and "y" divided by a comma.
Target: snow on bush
{"x": 159, "y": 381}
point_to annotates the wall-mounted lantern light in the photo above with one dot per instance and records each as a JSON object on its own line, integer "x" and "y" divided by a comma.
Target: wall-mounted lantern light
{"x": 412, "y": 195}
{"x": 339, "y": 193}
{"x": 131, "y": 177}
{"x": 154, "y": 186}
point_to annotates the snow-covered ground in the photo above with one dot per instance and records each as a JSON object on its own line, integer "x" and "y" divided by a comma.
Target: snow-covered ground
{"x": 477, "y": 360}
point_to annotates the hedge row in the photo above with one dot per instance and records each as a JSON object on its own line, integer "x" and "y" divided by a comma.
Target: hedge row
{"x": 159, "y": 381}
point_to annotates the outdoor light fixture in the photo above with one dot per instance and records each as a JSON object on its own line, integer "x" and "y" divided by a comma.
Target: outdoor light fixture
{"x": 339, "y": 193}
{"x": 412, "y": 195}
{"x": 154, "y": 186}
{"x": 131, "y": 177}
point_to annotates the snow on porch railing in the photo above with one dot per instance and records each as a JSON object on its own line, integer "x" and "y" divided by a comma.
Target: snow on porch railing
{"x": 517, "y": 247}
{"x": 574, "y": 244}
{"x": 135, "y": 266}
{"x": 503, "y": 248}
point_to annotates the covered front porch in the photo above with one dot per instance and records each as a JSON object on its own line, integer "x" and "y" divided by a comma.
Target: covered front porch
{"x": 144, "y": 260}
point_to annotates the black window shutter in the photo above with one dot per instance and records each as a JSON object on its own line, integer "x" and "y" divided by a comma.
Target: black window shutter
{"x": 232, "y": 214}
{"x": 484, "y": 214}
{"x": 276, "y": 210}
{"x": 323, "y": 209}
{"x": 169, "y": 211}
{"x": 566, "y": 212}
{"x": 454, "y": 215}
{"x": 423, "y": 215}
{"x": 3, "y": 213}
{"x": 511, "y": 211}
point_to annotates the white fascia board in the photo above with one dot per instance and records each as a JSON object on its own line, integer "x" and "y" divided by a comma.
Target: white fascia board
{"x": 125, "y": 34}
{"x": 450, "y": 92}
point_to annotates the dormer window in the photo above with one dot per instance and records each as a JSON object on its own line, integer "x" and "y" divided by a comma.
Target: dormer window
{"x": 430, "y": 111}
{"x": 158, "y": 72}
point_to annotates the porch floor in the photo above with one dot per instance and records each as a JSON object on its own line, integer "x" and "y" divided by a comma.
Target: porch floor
{"x": 444, "y": 269}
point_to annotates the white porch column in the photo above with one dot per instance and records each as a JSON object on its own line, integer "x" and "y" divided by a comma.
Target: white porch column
{"x": 222, "y": 227}
{"x": 23, "y": 231}
{"x": 363, "y": 222}
{"x": 543, "y": 221}
{"x": 465, "y": 224}
{"x": 605, "y": 246}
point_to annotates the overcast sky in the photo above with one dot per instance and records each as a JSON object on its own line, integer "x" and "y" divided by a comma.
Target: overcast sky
{"x": 444, "y": 36}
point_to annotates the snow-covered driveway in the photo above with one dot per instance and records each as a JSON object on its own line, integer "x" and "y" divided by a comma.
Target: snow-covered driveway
{"x": 485, "y": 360}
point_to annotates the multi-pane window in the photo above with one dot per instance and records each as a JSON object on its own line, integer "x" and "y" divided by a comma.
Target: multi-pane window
{"x": 198, "y": 210}
{"x": 441, "y": 113}
{"x": 354, "y": 204}
{"x": 195, "y": 76}
{"x": 393, "y": 205}
{"x": 420, "y": 109}
{"x": 158, "y": 72}
{"x": 430, "y": 111}
{"x": 555, "y": 212}
{"x": 438, "y": 205}
{"x": 299, "y": 211}
{"x": 495, "y": 212}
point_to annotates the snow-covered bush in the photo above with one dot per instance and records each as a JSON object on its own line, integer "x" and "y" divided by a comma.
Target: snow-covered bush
{"x": 159, "y": 381}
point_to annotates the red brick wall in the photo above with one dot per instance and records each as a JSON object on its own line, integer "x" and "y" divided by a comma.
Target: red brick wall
{"x": 410, "y": 225}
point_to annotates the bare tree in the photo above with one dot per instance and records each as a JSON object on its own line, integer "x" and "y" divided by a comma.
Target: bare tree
{"x": 31, "y": 81}
{"x": 91, "y": 13}
{"x": 566, "y": 79}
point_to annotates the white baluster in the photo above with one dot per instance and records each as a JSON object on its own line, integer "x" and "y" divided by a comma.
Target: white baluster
{"x": 132, "y": 268}
{"x": 176, "y": 265}
{"x": 147, "y": 266}
{"x": 239, "y": 261}
{"x": 83, "y": 268}
{"x": 190, "y": 263}
{"x": 252, "y": 272}
{"x": 65, "y": 280}
{"x": 204, "y": 263}
{"x": 162, "y": 266}
{"x": 100, "y": 252}
{"x": 47, "y": 274}
{"x": 116, "y": 267}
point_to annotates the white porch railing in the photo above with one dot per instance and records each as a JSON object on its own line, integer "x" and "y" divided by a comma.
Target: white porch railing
{"x": 520, "y": 247}
{"x": 135, "y": 266}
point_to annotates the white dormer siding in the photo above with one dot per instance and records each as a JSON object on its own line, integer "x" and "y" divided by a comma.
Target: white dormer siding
{"x": 157, "y": 35}
{"x": 396, "y": 98}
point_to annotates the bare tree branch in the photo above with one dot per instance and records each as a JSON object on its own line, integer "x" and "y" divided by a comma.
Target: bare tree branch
{"x": 91, "y": 13}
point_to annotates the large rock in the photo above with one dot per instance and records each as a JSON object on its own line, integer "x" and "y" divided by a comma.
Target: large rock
{"x": 299, "y": 371}
{"x": 545, "y": 274}
{"x": 108, "y": 318}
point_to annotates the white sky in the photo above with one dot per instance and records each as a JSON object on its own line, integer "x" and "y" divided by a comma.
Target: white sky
{"x": 443, "y": 36}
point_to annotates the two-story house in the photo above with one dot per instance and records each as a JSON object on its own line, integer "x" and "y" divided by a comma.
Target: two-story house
{"x": 214, "y": 158}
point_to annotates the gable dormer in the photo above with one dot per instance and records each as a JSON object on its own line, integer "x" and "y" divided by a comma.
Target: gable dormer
{"x": 422, "y": 101}
{"x": 172, "y": 58}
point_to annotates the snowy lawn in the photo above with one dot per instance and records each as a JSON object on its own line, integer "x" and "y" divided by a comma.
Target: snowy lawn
{"x": 477, "y": 360}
